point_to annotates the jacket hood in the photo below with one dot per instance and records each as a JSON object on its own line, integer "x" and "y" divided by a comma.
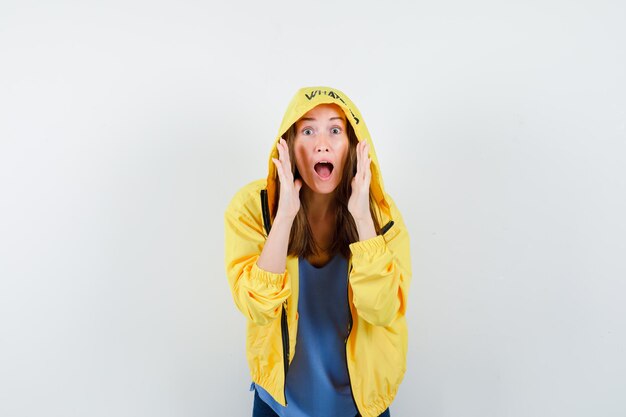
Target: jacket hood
{"x": 304, "y": 100}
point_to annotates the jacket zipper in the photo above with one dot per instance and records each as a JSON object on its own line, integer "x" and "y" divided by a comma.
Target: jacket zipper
{"x": 266, "y": 212}
{"x": 285, "y": 335}
{"x": 346, "y": 347}
{"x": 382, "y": 232}
{"x": 284, "y": 328}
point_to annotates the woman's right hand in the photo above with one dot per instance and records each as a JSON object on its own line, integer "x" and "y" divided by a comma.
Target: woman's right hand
{"x": 289, "y": 200}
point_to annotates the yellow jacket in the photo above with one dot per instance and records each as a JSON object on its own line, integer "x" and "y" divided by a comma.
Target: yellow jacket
{"x": 378, "y": 281}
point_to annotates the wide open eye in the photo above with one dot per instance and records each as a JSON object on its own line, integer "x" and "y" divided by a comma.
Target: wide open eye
{"x": 336, "y": 130}
{"x": 307, "y": 132}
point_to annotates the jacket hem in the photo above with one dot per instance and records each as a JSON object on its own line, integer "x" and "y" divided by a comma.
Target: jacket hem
{"x": 265, "y": 383}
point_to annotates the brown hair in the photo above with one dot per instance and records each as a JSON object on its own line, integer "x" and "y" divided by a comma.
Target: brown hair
{"x": 301, "y": 241}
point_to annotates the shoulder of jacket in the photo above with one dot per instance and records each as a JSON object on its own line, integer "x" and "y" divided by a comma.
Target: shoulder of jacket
{"x": 247, "y": 198}
{"x": 392, "y": 204}
{"x": 395, "y": 214}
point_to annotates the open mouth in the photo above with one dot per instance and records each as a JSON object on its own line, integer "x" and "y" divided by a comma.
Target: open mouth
{"x": 323, "y": 169}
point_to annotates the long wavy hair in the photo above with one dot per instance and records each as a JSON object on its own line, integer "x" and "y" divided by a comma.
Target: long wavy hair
{"x": 301, "y": 242}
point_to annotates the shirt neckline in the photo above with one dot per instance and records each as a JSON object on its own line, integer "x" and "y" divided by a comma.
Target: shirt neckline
{"x": 319, "y": 268}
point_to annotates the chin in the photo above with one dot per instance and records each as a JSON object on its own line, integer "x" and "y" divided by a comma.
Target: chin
{"x": 325, "y": 191}
{"x": 323, "y": 188}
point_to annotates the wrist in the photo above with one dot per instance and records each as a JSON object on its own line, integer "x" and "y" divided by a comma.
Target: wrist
{"x": 362, "y": 218}
{"x": 283, "y": 218}
{"x": 365, "y": 228}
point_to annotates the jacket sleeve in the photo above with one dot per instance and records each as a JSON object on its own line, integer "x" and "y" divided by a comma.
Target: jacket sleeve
{"x": 258, "y": 294}
{"x": 381, "y": 273}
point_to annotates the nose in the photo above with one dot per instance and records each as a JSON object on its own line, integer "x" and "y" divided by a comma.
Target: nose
{"x": 322, "y": 144}
{"x": 321, "y": 148}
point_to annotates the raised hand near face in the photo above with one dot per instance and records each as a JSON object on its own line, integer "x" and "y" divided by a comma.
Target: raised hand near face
{"x": 359, "y": 203}
{"x": 289, "y": 201}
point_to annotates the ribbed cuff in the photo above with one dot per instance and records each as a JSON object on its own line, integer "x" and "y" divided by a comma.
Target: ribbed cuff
{"x": 372, "y": 245}
{"x": 271, "y": 279}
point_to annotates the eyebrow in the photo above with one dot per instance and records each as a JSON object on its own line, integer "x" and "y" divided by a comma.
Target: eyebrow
{"x": 314, "y": 119}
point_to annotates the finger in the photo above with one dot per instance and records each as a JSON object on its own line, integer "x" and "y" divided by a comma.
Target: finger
{"x": 358, "y": 159}
{"x": 284, "y": 166}
{"x": 277, "y": 150}
{"x": 278, "y": 169}
{"x": 363, "y": 160}
{"x": 279, "y": 146}
{"x": 286, "y": 151}
{"x": 297, "y": 185}
{"x": 287, "y": 159}
{"x": 367, "y": 159}
{"x": 286, "y": 163}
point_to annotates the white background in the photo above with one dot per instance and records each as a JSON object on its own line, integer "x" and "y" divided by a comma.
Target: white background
{"x": 127, "y": 126}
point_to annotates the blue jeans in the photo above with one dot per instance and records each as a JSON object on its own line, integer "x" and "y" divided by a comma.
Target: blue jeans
{"x": 261, "y": 409}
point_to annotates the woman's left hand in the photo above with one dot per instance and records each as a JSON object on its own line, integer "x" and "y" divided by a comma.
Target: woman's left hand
{"x": 359, "y": 202}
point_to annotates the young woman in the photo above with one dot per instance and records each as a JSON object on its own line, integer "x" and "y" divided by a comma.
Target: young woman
{"x": 317, "y": 257}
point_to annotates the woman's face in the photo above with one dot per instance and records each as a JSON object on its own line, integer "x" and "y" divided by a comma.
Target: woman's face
{"x": 321, "y": 147}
